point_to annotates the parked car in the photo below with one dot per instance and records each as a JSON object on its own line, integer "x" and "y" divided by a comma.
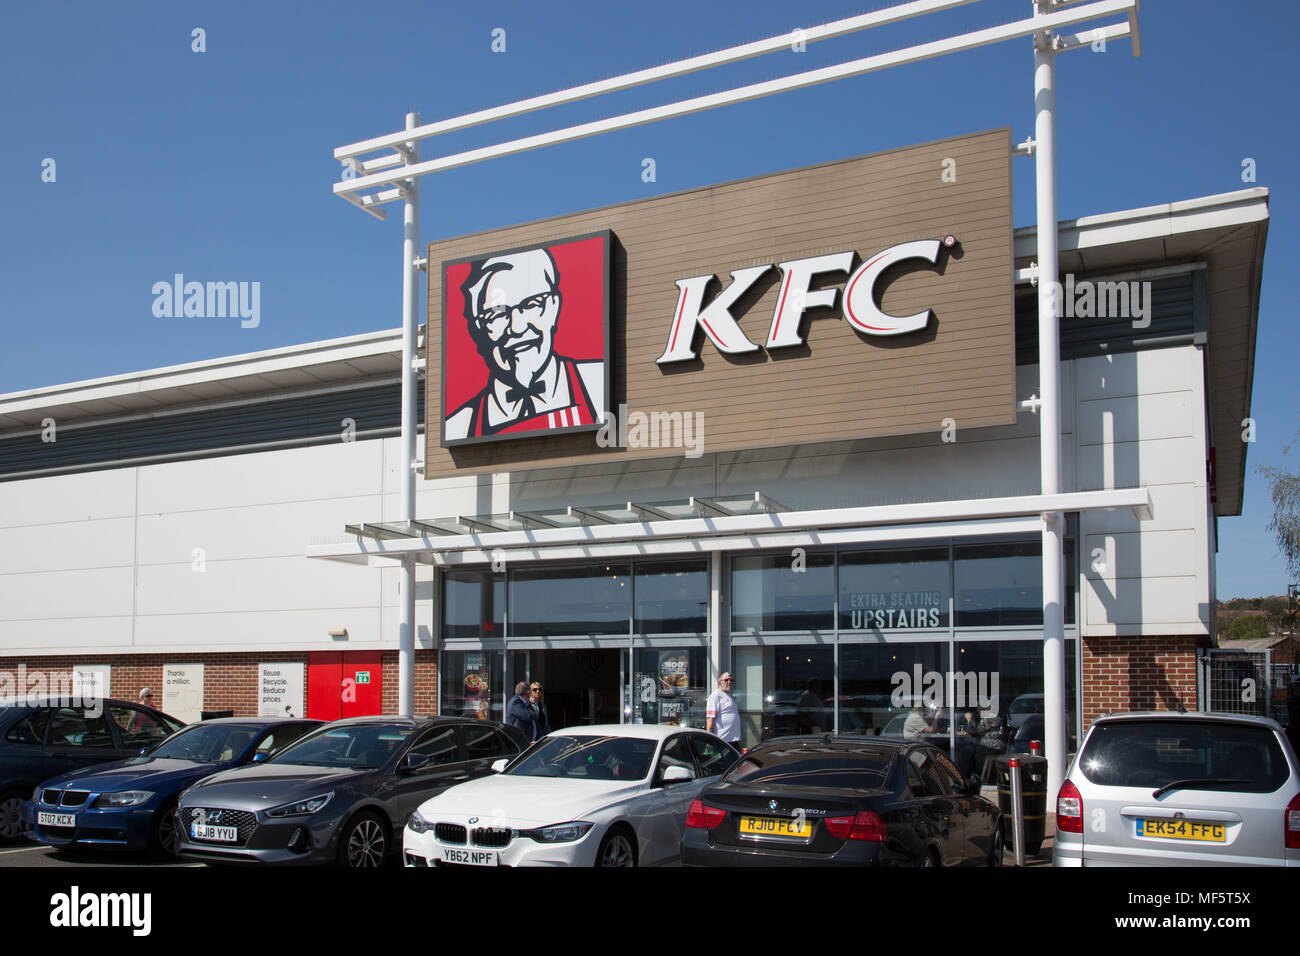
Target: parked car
{"x": 338, "y": 794}
{"x": 42, "y": 739}
{"x": 132, "y": 803}
{"x": 850, "y": 800}
{"x": 1180, "y": 789}
{"x": 607, "y": 795}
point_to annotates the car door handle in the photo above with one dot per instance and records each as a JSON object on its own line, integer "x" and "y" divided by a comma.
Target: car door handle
{"x": 460, "y": 776}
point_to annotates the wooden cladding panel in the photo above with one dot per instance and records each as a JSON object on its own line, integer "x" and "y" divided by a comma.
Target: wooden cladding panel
{"x": 839, "y": 384}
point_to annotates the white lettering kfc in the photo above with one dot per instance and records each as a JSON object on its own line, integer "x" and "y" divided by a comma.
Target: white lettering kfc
{"x": 794, "y": 297}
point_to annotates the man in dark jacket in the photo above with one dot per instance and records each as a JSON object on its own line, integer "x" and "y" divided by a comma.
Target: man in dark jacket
{"x": 520, "y": 713}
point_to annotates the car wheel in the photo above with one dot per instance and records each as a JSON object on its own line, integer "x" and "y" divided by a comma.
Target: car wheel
{"x": 997, "y": 848}
{"x": 165, "y": 840}
{"x": 931, "y": 858}
{"x": 617, "y": 849}
{"x": 363, "y": 842}
{"x": 11, "y": 819}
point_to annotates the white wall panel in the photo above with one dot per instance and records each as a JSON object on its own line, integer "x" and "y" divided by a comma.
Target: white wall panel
{"x": 67, "y": 545}
{"x": 300, "y": 628}
{"x": 33, "y": 502}
{"x": 1140, "y": 418}
{"x": 1136, "y": 373}
{"x": 1146, "y": 605}
{"x": 41, "y": 595}
{"x": 1157, "y": 461}
{"x": 64, "y": 635}
{"x": 266, "y": 584}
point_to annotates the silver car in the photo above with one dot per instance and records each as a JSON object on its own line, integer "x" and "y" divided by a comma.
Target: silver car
{"x": 1180, "y": 789}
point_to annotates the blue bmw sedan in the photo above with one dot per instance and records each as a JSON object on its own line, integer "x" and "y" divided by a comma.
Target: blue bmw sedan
{"x": 132, "y": 803}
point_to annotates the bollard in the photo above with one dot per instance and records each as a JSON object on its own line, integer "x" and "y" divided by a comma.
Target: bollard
{"x": 1036, "y": 748}
{"x": 1017, "y": 813}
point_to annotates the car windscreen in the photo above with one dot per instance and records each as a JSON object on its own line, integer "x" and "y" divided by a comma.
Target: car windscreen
{"x": 359, "y": 747}
{"x": 205, "y": 743}
{"x": 844, "y": 768}
{"x": 1155, "y": 753}
{"x": 587, "y": 757}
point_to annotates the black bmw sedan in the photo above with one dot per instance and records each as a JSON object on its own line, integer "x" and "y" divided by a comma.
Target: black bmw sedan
{"x": 849, "y": 800}
{"x": 338, "y": 794}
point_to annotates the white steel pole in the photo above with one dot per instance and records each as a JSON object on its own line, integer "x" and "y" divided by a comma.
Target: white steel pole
{"x": 1049, "y": 418}
{"x": 410, "y": 383}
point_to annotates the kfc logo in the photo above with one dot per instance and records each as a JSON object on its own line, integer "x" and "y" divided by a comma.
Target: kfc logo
{"x": 794, "y": 297}
{"x": 526, "y": 341}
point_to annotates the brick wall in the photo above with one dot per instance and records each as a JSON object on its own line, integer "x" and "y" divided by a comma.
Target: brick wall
{"x": 229, "y": 680}
{"x": 1138, "y": 673}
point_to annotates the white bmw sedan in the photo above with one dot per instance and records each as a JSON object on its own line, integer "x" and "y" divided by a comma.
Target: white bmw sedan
{"x": 612, "y": 795}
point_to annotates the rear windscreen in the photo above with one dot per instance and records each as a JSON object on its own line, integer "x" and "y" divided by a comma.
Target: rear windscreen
{"x": 1154, "y": 753}
{"x": 865, "y": 769}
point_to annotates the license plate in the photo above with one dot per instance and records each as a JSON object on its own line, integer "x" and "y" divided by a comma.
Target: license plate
{"x": 44, "y": 819}
{"x": 206, "y": 831}
{"x": 794, "y": 827}
{"x": 1182, "y": 830}
{"x": 469, "y": 857}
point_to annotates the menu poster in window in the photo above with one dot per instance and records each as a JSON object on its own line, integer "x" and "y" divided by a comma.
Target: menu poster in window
{"x": 674, "y": 674}
{"x": 478, "y": 687}
{"x": 280, "y": 690}
{"x": 182, "y": 691}
{"x": 672, "y": 713}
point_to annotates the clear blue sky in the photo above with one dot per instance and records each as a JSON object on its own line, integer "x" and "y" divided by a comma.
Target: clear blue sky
{"x": 218, "y": 165}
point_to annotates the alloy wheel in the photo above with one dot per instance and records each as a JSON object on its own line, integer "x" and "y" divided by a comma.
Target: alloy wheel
{"x": 616, "y": 851}
{"x": 168, "y": 835}
{"x": 366, "y": 843}
{"x": 11, "y": 808}
{"x": 996, "y": 851}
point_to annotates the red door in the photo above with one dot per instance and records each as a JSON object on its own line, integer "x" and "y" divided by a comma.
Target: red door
{"x": 344, "y": 684}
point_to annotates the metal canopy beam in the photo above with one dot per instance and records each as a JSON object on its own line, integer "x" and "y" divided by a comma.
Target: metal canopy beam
{"x": 648, "y": 512}
{"x": 531, "y": 519}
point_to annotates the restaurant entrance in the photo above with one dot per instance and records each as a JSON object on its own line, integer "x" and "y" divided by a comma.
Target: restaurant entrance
{"x": 580, "y": 687}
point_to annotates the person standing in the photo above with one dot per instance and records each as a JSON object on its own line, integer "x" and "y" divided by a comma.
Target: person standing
{"x": 722, "y": 716}
{"x": 520, "y": 712}
{"x": 543, "y": 718}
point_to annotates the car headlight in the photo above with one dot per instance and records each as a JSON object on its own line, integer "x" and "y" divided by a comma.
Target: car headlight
{"x": 301, "y": 808}
{"x": 418, "y": 823}
{"x": 561, "y": 832}
{"x": 124, "y": 798}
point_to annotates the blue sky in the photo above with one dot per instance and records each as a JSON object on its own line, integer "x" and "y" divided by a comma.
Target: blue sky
{"x": 219, "y": 164}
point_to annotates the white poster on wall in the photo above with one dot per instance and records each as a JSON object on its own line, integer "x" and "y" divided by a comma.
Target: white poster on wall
{"x": 182, "y": 691}
{"x": 91, "y": 681}
{"x": 280, "y": 690}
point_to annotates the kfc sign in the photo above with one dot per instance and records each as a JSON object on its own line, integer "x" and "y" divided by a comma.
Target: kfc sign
{"x": 793, "y": 298}
{"x": 526, "y": 341}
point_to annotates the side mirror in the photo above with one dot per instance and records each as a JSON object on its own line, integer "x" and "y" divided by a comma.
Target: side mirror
{"x": 677, "y": 775}
{"x": 142, "y": 751}
{"x": 499, "y": 765}
{"x": 260, "y": 756}
{"x": 412, "y": 763}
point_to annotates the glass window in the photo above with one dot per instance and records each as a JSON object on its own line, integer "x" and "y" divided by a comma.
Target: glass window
{"x": 784, "y": 591}
{"x": 931, "y": 784}
{"x": 205, "y": 743}
{"x": 1153, "y": 753}
{"x": 137, "y": 728}
{"x": 668, "y": 686}
{"x": 439, "y": 745}
{"x": 473, "y": 604}
{"x": 677, "y": 753}
{"x": 281, "y": 737}
{"x": 999, "y": 584}
{"x": 587, "y": 757}
{"x": 882, "y": 685}
{"x": 471, "y": 685}
{"x": 889, "y": 590}
{"x": 481, "y": 742}
{"x": 714, "y": 758}
{"x": 30, "y": 729}
{"x": 74, "y": 727}
{"x": 672, "y": 597}
{"x": 783, "y": 690}
{"x": 568, "y": 602}
{"x": 861, "y": 767}
{"x": 355, "y": 747}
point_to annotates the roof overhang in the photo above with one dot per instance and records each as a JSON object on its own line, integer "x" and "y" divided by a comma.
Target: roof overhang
{"x": 1227, "y": 234}
{"x": 760, "y": 528}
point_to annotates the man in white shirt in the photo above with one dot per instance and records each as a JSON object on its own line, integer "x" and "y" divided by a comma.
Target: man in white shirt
{"x": 722, "y": 716}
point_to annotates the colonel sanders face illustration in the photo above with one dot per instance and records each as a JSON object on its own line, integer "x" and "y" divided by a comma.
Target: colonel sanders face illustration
{"x": 512, "y": 304}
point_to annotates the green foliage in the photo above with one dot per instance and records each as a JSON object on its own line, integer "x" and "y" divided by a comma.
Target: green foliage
{"x": 1285, "y": 488}
{"x": 1247, "y": 626}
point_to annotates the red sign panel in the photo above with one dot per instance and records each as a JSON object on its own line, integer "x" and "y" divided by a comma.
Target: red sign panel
{"x": 526, "y": 341}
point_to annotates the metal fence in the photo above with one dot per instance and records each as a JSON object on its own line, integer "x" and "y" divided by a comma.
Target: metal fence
{"x": 1233, "y": 681}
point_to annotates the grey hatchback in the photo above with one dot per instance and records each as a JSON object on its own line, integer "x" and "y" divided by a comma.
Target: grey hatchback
{"x": 1180, "y": 789}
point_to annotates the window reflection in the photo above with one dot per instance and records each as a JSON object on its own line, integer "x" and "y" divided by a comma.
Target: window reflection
{"x": 893, "y": 589}
{"x": 672, "y": 597}
{"x": 555, "y": 602}
{"x": 784, "y": 591}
